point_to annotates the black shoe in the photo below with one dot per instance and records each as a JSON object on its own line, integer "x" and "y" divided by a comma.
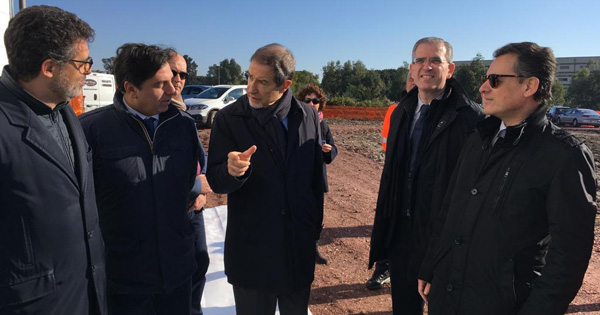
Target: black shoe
{"x": 378, "y": 280}
{"x": 319, "y": 259}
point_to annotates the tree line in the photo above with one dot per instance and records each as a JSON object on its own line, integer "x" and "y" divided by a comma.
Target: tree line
{"x": 352, "y": 83}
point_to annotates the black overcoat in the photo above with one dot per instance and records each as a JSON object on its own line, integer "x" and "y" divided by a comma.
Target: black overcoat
{"x": 452, "y": 119}
{"x": 519, "y": 223}
{"x": 275, "y": 209}
{"x": 51, "y": 248}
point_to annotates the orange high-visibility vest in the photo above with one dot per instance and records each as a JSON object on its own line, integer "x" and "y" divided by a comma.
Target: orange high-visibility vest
{"x": 77, "y": 104}
{"x": 386, "y": 126}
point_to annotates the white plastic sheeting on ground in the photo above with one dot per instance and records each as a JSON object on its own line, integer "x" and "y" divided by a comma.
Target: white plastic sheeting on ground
{"x": 218, "y": 293}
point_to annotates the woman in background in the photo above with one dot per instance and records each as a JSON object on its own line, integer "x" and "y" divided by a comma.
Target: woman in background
{"x": 315, "y": 97}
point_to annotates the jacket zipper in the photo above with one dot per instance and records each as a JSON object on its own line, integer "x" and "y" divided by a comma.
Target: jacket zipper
{"x": 147, "y": 135}
{"x": 500, "y": 191}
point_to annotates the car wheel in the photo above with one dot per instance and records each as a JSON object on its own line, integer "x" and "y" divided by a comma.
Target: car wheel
{"x": 210, "y": 118}
{"x": 557, "y": 121}
{"x": 575, "y": 123}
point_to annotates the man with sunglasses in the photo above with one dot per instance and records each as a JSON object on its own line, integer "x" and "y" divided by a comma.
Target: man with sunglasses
{"x": 520, "y": 207}
{"x": 51, "y": 248}
{"x": 145, "y": 154}
{"x": 198, "y": 194}
{"x": 265, "y": 154}
{"x": 427, "y": 130}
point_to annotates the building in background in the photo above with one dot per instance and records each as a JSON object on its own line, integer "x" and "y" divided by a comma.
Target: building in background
{"x": 566, "y": 67}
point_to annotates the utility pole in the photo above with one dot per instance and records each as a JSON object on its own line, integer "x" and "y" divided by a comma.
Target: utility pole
{"x": 21, "y": 4}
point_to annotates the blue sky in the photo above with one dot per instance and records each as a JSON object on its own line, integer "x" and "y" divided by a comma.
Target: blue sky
{"x": 380, "y": 33}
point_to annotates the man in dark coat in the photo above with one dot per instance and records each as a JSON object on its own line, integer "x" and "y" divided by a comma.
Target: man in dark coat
{"x": 427, "y": 130}
{"x": 519, "y": 213}
{"x": 145, "y": 162}
{"x": 265, "y": 154}
{"x": 51, "y": 248}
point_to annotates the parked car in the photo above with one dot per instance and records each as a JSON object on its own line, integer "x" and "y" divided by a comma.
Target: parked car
{"x": 579, "y": 116}
{"x": 205, "y": 105}
{"x": 555, "y": 111}
{"x": 190, "y": 91}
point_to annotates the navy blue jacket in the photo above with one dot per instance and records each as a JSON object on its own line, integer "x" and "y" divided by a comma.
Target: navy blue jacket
{"x": 51, "y": 248}
{"x": 142, "y": 190}
{"x": 275, "y": 211}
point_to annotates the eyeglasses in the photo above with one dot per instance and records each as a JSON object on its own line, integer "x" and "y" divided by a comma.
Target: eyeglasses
{"x": 436, "y": 61}
{"x": 85, "y": 64}
{"x": 182, "y": 75}
{"x": 313, "y": 100}
{"x": 494, "y": 78}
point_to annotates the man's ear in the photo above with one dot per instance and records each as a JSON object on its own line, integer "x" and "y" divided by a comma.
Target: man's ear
{"x": 130, "y": 89}
{"x": 49, "y": 68}
{"x": 531, "y": 86}
{"x": 286, "y": 84}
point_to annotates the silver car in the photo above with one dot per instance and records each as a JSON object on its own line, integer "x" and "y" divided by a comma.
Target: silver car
{"x": 579, "y": 116}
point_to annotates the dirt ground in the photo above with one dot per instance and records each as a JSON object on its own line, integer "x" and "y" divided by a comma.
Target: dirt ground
{"x": 339, "y": 287}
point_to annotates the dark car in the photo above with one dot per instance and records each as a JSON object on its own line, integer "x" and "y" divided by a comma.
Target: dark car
{"x": 190, "y": 91}
{"x": 579, "y": 116}
{"x": 555, "y": 111}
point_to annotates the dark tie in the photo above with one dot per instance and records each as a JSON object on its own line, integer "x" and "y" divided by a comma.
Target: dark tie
{"x": 416, "y": 135}
{"x": 149, "y": 122}
{"x": 500, "y": 135}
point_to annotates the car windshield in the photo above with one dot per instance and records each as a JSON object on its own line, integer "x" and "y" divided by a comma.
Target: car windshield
{"x": 213, "y": 93}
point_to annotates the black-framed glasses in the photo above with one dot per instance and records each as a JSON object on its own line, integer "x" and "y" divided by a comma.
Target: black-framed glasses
{"x": 436, "y": 61}
{"x": 182, "y": 75}
{"x": 85, "y": 64}
{"x": 313, "y": 100}
{"x": 494, "y": 78}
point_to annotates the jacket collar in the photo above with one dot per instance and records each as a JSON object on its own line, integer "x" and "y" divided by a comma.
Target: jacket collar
{"x": 488, "y": 127}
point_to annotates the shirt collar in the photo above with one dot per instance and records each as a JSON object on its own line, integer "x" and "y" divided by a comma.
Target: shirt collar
{"x": 135, "y": 112}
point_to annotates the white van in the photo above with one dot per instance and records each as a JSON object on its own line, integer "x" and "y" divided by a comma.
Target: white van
{"x": 98, "y": 91}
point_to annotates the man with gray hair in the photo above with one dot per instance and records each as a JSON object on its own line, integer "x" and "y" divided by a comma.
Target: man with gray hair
{"x": 265, "y": 155}
{"x": 427, "y": 131}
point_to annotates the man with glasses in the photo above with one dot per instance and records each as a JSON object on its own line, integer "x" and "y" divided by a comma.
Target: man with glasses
{"x": 51, "y": 248}
{"x": 427, "y": 130}
{"x": 519, "y": 228}
{"x": 145, "y": 154}
{"x": 265, "y": 154}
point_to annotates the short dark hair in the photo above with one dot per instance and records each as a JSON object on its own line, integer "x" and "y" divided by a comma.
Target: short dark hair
{"x": 279, "y": 58}
{"x": 435, "y": 41}
{"x": 533, "y": 61}
{"x": 137, "y": 63}
{"x": 39, "y": 33}
{"x": 310, "y": 89}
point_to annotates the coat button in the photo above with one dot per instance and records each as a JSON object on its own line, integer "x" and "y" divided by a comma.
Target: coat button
{"x": 449, "y": 288}
{"x": 90, "y": 234}
{"x": 474, "y": 191}
{"x": 458, "y": 241}
{"x": 283, "y": 211}
{"x": 485, "y": 147}
{"x": 93, "y": 268}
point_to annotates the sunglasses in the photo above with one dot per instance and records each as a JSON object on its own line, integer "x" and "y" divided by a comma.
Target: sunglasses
{"x": 182, "y": 75}
{"x": 313, "y": 100}
{"x": 494, "y": 78}
{"x": 436, "y": 61}
{"x": 85, "y": 64}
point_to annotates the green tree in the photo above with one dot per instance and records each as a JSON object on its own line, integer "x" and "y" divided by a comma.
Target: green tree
{"x": 226, "y": 72}
{"x": 332, "y": 78}
{"x": 558, "y": 93}
{"x": 302, "y": 78}
{"x": 192, "y": 70}
{"x": 352, "y": 79}
{"x": 108, "y": 64}
{"x": 469, "y": 76}
{"x": 585, "y": 88}
{"x": 395, "y": 82}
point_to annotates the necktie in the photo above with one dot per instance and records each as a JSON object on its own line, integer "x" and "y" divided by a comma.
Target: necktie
{"x": 500, "y": 135}
{"x": 416, "y": 135}
{"x": 149, "y": 122}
